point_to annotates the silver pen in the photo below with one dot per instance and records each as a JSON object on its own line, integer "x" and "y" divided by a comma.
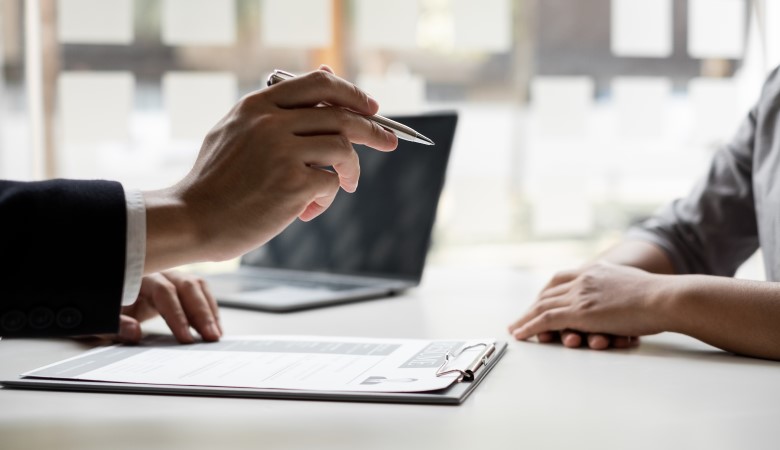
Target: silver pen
{"x": 398, "y": 129}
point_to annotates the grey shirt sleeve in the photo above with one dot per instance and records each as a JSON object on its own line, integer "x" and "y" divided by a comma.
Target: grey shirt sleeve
{"x": 714, "y": 229}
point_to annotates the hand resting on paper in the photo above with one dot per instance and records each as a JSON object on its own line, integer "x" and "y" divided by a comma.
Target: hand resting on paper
{"x": 183, "y": 300}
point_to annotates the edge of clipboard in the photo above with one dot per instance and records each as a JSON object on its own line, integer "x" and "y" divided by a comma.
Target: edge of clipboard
{"x": 454, "y": 395}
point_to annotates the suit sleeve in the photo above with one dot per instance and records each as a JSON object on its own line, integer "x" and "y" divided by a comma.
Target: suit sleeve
{"x": 62, "y": 251}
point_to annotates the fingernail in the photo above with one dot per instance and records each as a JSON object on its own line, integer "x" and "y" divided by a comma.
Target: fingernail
{"x": 214, "y": 330}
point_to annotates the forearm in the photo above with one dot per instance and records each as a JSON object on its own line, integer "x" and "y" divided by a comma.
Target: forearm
{"x": 640, "y": 254}
{"x": 739, "y": 316}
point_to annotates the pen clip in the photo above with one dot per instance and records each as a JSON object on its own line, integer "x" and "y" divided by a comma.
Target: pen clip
{"x": 278, "y": 75}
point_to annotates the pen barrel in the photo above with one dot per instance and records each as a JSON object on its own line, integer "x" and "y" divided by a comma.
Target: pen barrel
{"x": 399, "y": 129}
{"x": 392, "y": 125}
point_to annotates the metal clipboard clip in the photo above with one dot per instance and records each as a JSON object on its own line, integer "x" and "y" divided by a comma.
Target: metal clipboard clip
{"x": 466, "y": 374}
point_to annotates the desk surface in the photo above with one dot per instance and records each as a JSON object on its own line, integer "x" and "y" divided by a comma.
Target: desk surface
{"x": 671, "y": 392}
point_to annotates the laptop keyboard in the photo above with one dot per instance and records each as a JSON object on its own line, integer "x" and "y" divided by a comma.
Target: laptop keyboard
{"x": 248, "y": 284}
{"x": 329, "y": 285}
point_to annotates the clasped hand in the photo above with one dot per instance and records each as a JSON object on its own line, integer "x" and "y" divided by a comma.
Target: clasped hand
{"x": 606, "y": 304}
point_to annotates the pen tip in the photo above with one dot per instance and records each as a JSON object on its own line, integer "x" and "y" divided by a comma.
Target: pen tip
{"x": 424, "y": 140}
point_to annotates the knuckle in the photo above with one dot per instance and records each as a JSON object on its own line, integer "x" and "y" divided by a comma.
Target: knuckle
{"x": 189, "y": 284}
{"x": 583, "y": 290}
{"x": 165, "y": 289}
{"x": 591, "y": 286}
{"x": 588, "y": 275}
{"x": 588, "y": 278}
{"x": 321, "y": 77}
{"x": 268, "y": 121}
{"x": 341, "y": 117}
{"x": 547, "y": 317}
{"x": 587, "y": 304}
{"x": 360, "y": 95}
{"x": 538, "y": 309}
{"x": 180, "y": 319}
{"x": 295, "y": 181}
{"x": 249, "y": 102}
{"x": 560, "y": 277}
{"x": 343, "y": 142}
{"x": 377, "y": 129}
{"x": 284, "y": 159}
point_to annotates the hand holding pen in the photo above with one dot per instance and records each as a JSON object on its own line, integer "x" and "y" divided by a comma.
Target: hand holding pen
{"x": 260, "y": 167}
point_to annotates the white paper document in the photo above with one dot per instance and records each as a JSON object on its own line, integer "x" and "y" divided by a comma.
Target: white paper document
{"x": 311, "y": 363}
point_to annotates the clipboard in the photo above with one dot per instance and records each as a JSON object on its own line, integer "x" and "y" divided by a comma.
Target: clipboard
{"x": 471, "y": 375}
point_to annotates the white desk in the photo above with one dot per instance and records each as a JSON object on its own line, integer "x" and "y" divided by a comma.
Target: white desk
{"x": 672, "y": 392}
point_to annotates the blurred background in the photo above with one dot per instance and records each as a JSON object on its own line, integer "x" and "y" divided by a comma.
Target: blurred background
{"x": 578, "y": 118}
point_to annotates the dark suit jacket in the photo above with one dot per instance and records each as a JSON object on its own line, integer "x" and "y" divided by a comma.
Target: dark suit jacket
{"x": 62, "y": 257}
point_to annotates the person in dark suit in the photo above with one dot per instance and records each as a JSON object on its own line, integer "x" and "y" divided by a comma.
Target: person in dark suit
{"x": 90, "y": 257}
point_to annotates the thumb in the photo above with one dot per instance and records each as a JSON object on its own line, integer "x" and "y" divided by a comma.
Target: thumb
{"x": 129, "y": 330}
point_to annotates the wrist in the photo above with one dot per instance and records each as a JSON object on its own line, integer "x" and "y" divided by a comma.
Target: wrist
{"x": 172, "y": 234}
{"x": 669, "y": 301}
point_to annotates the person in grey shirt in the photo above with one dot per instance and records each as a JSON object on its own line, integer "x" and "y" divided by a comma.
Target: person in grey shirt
{"x": 674, "y": 272}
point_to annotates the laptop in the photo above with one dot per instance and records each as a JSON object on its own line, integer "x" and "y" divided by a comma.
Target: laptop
{"x": 369, "y": 244}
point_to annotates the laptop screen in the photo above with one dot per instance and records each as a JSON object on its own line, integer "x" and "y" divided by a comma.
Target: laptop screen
{"x": 384, "y": 228}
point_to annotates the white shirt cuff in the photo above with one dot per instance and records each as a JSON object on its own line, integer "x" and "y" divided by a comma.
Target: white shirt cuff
{"x": 135, "y": 252}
